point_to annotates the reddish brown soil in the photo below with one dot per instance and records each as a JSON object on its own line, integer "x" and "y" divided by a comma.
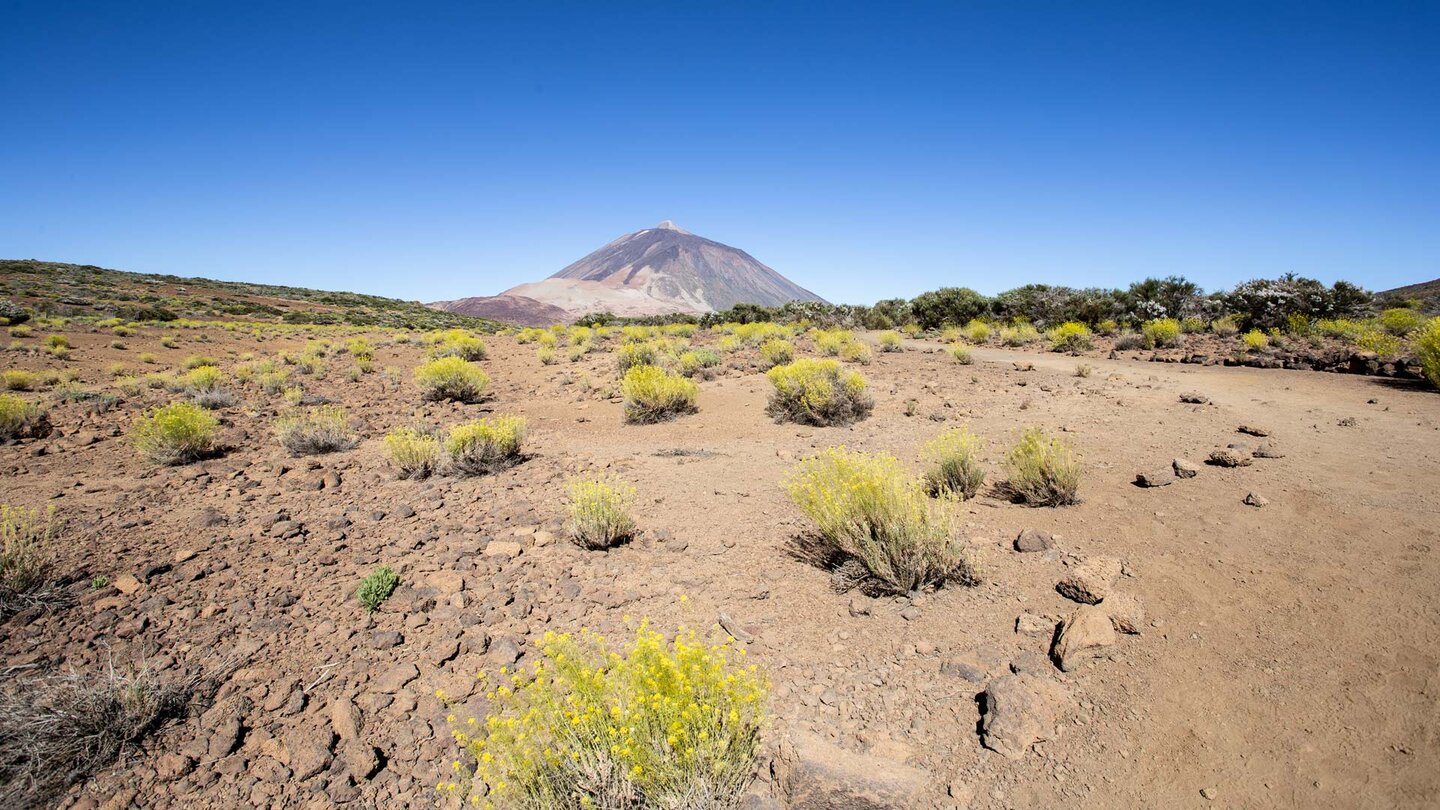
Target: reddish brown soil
{"x": 1289, "y": 658}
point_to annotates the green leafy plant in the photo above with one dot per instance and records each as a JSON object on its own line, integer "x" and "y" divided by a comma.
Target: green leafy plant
{"x": 377, "y": 587}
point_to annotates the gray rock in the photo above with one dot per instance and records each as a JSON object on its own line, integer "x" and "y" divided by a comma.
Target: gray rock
{"x": 1269, "y": 450}
{"x": 816, "y": 774}
{"x": 1085, "y": 632}
{"x": 1254, "y": 430}
{"x": 1020, "y": 710}
{"x": 1154, "y": 478}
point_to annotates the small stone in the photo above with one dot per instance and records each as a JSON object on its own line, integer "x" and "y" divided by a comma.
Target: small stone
{"x": 910, "y": 614}
{"x": 1254, "y": 430}
{"x": 859, "y": 606}
{"x": 1030, "y": 540}
{"x": 395, "y": 678}
{"x": 1028, "y": 624}
{"x": 963, "y": 669}
{"x": 447, "y": 582}
{"x": 1126, "y": 612}
{"x": 1194, "y": 398}
{"x": 1269, "y": 450}
{"x": 1083, "y": 635}
{"x": 170, "y": 767}
{"x": 1020, "y": 710}
{"x": 1209, "y": 793}
{"x": 816, "y": 774}
{"x": 508, "y": 549}
{"x": 1256, "y": 500}
{"x": 1184, "y": 469}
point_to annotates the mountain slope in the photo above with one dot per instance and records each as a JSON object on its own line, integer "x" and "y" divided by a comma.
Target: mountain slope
{"x": 82, "y": 289}
{"x": 1427, "y": 291}
{"x": 519, "y": 310}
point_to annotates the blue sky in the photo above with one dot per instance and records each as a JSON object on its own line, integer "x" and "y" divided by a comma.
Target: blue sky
{"x": 437, "y": 150}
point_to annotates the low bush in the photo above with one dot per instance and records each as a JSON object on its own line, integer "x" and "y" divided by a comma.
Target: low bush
{"x": 21, "y": 331}
{"x": 487, "y": 445}
{"x": 203, "y": 378}
{"x": 655, "y": 395}
{"x": 656, "y": 725}
{"x": 776, "y": 352}
{"x": 953, "y": 464}
{"x": 1401, "y": 321}
{"x": 889, "y": 340}
{"x": 461, "y": 344}
{"x": 634, "y": 355}
{"x": 1020, "y": 334}
{"x": 1227, "y": 326}
{"x": 413, "y": 453}
{"x": 27, "y": 539}
{"x": 693, "y": 363}
{"x": 977, "y": 332}
{"x": 1255, "y": 340}
{"x": 360, "y": 349}
{"x": 19, "y": 380}
{"x": 452, "y": 378}
{"x": 1192, "y": 324}
{"x": 177, "y": 433}
{"x": 865, "y": 508}
{"x": 57, "y": 342}
{"x": 855, "y": 352}
{"x": 57, "y": 730}
{"x": 1083, "y": 370}
{"x": 195, "y": 361}
{"x": 600, "y": 512}
{"x": 961, "y": 354}
{"x": 1071, "y": 336}
{"x": 546, "y": 355}
{"x": 1107, "y": 327}
{"x": 325, "y": 429}
{"x": 1378, "y": 341}
{"x": 377, "y": 587}
{"x": 831, "y": 341}
{"x": 1043, "y": 471}
{"x": 1162, "y": 333}
{"x": 817, "y": 392}
{"x": 1427, "y": 349}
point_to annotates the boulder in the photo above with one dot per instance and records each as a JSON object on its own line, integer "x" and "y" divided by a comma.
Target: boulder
{"x": 1083, "y": 635}
{"x": 816, "y": 774}
{"x": 1020, "y": 710}
{"x": 1034, "y": 540}
{"x": 1090, "y": 581}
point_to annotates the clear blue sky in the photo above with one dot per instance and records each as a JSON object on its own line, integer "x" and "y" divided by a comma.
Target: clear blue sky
{"x": 436, "y": 150}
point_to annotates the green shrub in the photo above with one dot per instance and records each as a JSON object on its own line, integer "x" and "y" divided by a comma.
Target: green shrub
{"x": 1192, "y": 324}
{"x": 486, "y": 445}
{"x": 1107, "y": 327}
{"x": 1400, "y": 321}
{"x": 325, "y": 429}
{"x": 831, "y": 341}
{"x": 1427, "y": 349}
{"x": 961, "y": 354}
{"x": 462, "y": 344}
{"x": 817, "y": 392}
{"x": 177, "y": 433}
{"x": 1043, "y": 471}
{"x": 953, "y": 463}
{"x": 452, "y": 378}
{"x": 57, "y": 342}
{"x": 147, "y": 358}
{"x": 1071, "y": 336}
{"x": 977, "y": 332}
{"x": 377, "y": 587}
{"x": 18, "y": 380}
{"x": 1162, "y": 333}
{"x": 1255, "y": 340}
{"x": 889, "y": 340}
{"x": 600, "y": 512}
{"x": 656, "y": 726}
{"x": 776, "y": 352}
{"x": 413, "y": 453}
{"x": 27, "y": 553}
{"x": 655, "y": 395}
{"x": 1298, "y": 324}
{"x": 866, "y": 508}
{"x": 195, "y": 361}
{"x": 1382, "y": 343}
{"x": 203, "y": 378}
{"x": 360, "y": 349}
{"x": 1020, "y": 334}
{"x": 21, "y": 331}
{"x": 546, "y": 355}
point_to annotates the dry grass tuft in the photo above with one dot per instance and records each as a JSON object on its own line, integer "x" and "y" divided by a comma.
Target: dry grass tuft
{"x": 415, "y": 454}
{"x": 1043, "y": 471}
{"x": 487, "y": 445}
{"x": 325, "y": 429}
{"x": 817, "y": 392}
{"x": 177, "y": 433}
{"x": 600, "y": 512}
{"x": 655, "y": 395}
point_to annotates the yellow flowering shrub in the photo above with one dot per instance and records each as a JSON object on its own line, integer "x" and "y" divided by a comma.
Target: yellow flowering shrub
{"x": 961, "y": 354}
{"x": 175, "y": 434}
{"x": 866, "y": 508}
{"x": 1427, "y": 349}
{"x": 831, "y": 341}
{"x": 656, "y": 726}
{"x": 600, "y": 512}
{"x": 459, "y": 343}
{"x": 817, "y": 392}
{"x": 20, "y": 380}
{"x": 889, "y": 341}
{"x": 776, "y": 352}
{"x": 413, "y": 453}
{"x": 953, "y": 464}
{"x": 632, "y": 355}
{"x": 486, "y": 445}
{"x": 452, "y": 378}
{"x": 1043, "y": 470}
{"x": 1255, "y": 340}
{"x": 653, "y": 394}
{"x": 977, "y": 332}
{"x": 1161, "y": 333}
{"x": 1071, "y": 336}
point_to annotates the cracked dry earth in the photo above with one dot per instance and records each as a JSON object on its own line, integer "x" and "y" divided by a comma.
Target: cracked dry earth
{"x": 1287, "y": 656}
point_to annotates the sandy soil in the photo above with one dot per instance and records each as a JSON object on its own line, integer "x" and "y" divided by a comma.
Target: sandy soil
{"x": 1289, "y": 656}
